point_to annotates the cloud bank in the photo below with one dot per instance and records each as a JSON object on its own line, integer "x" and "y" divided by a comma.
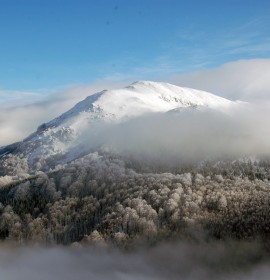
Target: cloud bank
{"x": 188, "y": 135}
{"x": 246, "y": 80}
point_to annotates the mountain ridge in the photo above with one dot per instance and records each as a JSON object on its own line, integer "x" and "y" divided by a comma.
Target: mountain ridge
{"x": 60, "y": 135}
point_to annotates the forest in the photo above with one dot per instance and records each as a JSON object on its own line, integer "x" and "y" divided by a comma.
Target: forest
{"x": 105, "y": 199}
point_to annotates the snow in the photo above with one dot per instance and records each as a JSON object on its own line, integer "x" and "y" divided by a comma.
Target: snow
{"x": 59, "y": 136}
{"x": 137, "y": 99}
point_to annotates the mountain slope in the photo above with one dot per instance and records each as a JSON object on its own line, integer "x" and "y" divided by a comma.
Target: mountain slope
{"x": 59, "y": 138}
{"x": 139, "y": 98}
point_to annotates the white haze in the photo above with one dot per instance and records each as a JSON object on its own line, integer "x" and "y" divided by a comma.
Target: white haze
{"x": 187, "y": 135}
{"x": 211, "y": 260}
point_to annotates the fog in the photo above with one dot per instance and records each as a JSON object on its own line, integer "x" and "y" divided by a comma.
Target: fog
{"x": 189, "y": 134}
{"x": 216, "y": 260}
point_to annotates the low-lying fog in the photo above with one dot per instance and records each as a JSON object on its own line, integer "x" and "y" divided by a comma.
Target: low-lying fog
{"x": 216, "y": 260}
{"x": 188, "y": 134}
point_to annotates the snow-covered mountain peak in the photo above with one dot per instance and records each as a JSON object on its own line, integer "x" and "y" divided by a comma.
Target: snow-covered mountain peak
{"x": 61, "y": 135}
{"x": 137, "y": 99}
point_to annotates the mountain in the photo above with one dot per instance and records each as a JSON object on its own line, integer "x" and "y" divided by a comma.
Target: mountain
{"x": 106, "y": 197}
{"x": 58, "y": 140}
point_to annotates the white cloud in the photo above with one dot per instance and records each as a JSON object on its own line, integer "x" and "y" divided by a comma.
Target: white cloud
{"x": 246, "y": 80}
{"x": 188, "y": 136}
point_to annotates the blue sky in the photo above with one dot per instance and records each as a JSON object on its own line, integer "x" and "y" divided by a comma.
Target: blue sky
{"x": 47, "y": 44}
